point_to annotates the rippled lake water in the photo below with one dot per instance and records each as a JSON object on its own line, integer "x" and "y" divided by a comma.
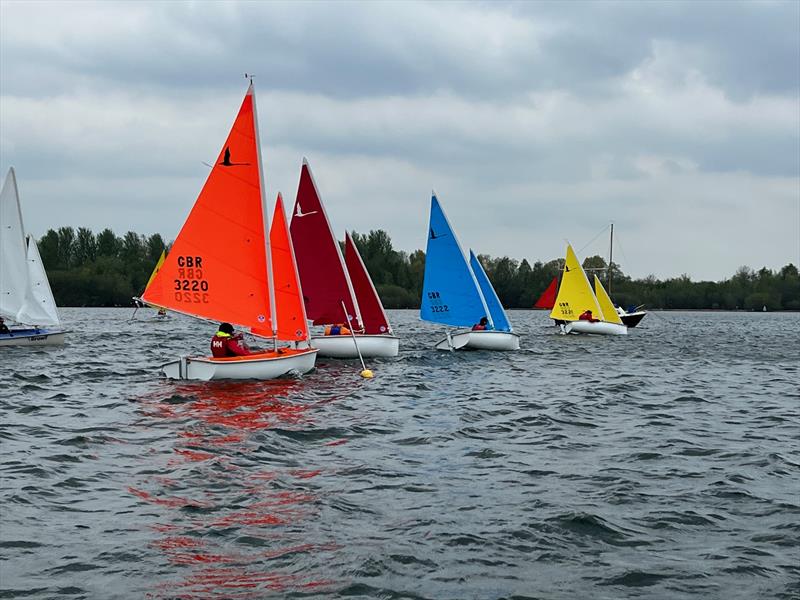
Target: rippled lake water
{"x": 664, "y": 464}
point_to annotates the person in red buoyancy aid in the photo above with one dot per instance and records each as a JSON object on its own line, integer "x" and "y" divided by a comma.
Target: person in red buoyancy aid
{"x": 227, "y": 343}
{"x": 481, "y": 325}
{"x": 587, "y": 316}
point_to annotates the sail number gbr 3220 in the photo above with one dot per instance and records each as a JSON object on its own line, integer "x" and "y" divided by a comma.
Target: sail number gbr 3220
{"x": 436, "y": 303}
{"x": 190, "y": 285}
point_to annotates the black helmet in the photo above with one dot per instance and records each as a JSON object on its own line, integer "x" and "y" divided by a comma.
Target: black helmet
{"x": 226, "y": 328}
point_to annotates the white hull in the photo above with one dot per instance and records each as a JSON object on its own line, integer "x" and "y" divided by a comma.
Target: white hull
{"x": 33, "y": 337}
{"x": 480, "y": 340}
{"x": 371, "y": 346}
{"x": 598, "y": 328}
{"x": 257, "y": 366}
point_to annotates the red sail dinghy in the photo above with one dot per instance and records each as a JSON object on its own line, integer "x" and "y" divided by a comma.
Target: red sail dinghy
{"x": 222, "y": 266}
{"x": 331, "y": 282}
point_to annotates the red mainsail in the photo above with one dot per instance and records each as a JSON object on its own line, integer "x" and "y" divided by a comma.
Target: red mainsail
{"x": 319, "y": 260}
{"x": 372, "y": 313}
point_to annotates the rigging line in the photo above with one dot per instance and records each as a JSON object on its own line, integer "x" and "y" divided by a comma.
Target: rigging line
{"x": 602, "y": 231}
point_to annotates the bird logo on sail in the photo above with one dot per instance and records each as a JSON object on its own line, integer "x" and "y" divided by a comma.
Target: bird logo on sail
{"x": 226, "y": 159}
{"x": 299, "y": 212}
{"x": 434, "y": 236}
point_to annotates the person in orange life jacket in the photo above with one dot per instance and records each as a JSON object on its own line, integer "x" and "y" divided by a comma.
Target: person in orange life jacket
{"x": 338, "y": 329}
{"x": 481, "y": 325}
{"x": 587, "y": 316}
{"x": 227, "y": 343}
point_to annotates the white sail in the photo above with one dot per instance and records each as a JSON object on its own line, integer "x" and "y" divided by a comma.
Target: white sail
{"x": 25, "y": 294}
{"x": 40, "y": 306}
{"x": 13, "y": 270}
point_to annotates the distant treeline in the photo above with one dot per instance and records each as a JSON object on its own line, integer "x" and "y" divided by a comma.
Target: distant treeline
{"x": 105, "y": 270}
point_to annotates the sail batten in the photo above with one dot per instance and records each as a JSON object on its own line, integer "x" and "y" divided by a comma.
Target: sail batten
{"x": 450, "y": 291}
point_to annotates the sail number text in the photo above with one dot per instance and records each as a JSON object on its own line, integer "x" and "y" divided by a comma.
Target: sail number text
{"x": 566, "y": 310}
{"x": 436, "y": 303}
{"x": 190, "y": 285}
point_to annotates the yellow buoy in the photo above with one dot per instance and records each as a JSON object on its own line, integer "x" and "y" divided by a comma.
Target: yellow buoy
{"x": 367, "y": 374}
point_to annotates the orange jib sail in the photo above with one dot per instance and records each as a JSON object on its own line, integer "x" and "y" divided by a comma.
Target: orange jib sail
{"x": 289, "y": 308}
{"x": 217, "y": 267}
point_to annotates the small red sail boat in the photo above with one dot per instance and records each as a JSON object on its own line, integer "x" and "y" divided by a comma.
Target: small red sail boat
{"x": 224, "y": 267}
{"x": 329, "y": 281}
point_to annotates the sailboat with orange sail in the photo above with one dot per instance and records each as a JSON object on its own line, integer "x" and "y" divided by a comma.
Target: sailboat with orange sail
{"x": 224, "y": 267}
{"x": 336, "y": 290}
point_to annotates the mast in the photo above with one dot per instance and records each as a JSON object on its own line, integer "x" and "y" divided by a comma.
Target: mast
{"x": 610, "y": 259}
{"x": 265, "y": 220}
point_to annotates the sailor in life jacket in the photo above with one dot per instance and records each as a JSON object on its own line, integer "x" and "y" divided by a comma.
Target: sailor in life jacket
{"x": 338, "y": 329}
{"x": 481, "y": 325}
{"x": 587, "y": 316}
{"x": 227, "y": 343}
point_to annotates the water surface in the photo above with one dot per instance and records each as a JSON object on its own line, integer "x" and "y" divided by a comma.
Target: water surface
{"x": 664, "y": 464}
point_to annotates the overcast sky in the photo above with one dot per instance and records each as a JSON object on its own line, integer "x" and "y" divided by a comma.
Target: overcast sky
{"x": 535, "y": 122}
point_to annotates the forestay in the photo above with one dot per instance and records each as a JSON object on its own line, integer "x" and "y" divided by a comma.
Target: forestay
{"x": 450, "y": 293}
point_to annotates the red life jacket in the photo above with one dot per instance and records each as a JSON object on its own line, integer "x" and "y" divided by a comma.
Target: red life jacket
{"x": 223, "y": 345}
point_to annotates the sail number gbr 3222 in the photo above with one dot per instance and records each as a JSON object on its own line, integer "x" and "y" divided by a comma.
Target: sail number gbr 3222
{"x": 190, "y": 285}
{"x": 436, "y": 303}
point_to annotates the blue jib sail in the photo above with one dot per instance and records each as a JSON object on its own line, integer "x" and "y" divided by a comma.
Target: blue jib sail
{"x": 496, "y": 313}
{"x": 450, "y": 294}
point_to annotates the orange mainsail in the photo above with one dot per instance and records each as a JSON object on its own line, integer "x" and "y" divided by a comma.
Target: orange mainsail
{"x": 217, "y": 268}
{"x": 290, "y": 309}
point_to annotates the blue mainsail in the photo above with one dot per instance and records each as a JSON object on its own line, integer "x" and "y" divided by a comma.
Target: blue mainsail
{"x": 496, "y": 313}
{"x": 450, "y": 293}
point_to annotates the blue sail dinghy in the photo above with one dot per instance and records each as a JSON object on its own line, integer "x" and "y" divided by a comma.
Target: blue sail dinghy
{"x": 459, "y": 294}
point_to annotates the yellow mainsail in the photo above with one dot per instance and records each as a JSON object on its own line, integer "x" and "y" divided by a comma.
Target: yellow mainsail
{"x": 575, "y": 294}
{"x": 609, "y": 312}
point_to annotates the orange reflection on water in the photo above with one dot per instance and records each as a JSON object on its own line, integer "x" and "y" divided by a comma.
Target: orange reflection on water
{"x": 220, "y": 422}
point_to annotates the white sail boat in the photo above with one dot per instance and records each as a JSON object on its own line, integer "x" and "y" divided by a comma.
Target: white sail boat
{"x": 336, "y": 289}
{"x": 245, "y": 275}
{"x": 25, "y": 295}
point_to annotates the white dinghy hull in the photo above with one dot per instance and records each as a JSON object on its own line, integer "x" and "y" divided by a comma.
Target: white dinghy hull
{"x": 33, "y": 337}
{"x": 268, "y": 365}
{"x": 597, "y": 328}
{"x": 371, "y": 346}
{"x": 480, "y": 340}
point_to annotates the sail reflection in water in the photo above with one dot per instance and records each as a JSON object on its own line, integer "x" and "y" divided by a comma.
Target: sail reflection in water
{"x": 228, "y": 478}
